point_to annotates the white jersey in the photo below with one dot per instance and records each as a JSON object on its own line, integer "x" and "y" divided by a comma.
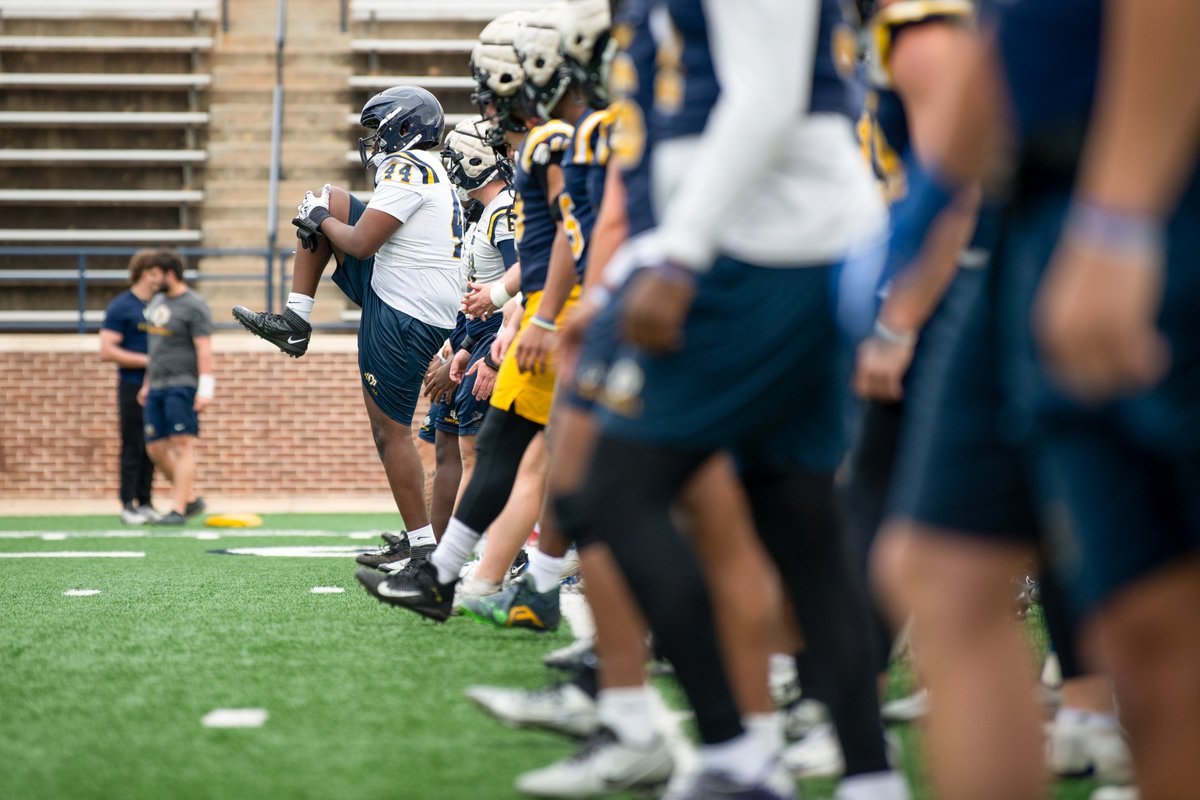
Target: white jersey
{"x": 417, "y": 268}
{"x": 482, "y": 260}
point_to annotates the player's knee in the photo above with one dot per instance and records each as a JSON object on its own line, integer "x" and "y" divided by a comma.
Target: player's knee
{"x": 445, "y": 449}
{"x": 572, "y": 518}
{"x": 339, "y": 203}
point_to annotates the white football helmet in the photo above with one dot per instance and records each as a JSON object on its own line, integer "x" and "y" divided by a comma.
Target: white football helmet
{"x": 497, "y": 71}
{"x": 468, "y": 157}
{"x": 589, "y": 50}
{"x": 538, "y": 45}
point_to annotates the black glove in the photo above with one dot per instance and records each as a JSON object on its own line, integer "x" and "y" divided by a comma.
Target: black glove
{"x": 308, "y": 233}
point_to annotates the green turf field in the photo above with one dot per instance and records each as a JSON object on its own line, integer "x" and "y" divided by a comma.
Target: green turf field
{"x": 102, "y": 696}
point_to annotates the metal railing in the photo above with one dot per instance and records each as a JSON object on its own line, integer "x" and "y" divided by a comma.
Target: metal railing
{"x": 84, "y": 276}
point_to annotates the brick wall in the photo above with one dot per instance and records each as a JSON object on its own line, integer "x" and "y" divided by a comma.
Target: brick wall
{"x": 279, "y": 426}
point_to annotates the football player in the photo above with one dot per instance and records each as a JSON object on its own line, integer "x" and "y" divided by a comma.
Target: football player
{"x": 460, "y": 381}
{"x": 1102, "y": 212}
{"x": 398, "y": 259}
{"x": 688, "y": 396}
{"x": 522, "y": 395}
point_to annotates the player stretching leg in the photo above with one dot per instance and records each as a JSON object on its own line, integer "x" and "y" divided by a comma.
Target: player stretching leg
{"x": 398, "y": 259}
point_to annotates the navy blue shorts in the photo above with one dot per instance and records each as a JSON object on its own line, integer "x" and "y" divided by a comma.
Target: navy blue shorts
{"x": 596, "y": 354}
{"x": 955, "y": 468}
{"x": 169, "y": 412}
{"x": 394, "y": 350}
{"x": 1127, "y": 472}
{"x": 463, "y": 415}
{"x": 760, "y": 373}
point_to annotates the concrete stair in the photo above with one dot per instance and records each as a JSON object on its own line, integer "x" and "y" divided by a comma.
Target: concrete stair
{"x": 316, "y": 70}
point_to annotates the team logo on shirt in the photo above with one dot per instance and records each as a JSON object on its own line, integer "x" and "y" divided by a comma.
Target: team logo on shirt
{"x": 160, "y": 315}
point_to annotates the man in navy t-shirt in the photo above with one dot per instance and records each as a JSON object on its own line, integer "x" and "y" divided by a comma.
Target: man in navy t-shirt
{"x": 123, "y": 340}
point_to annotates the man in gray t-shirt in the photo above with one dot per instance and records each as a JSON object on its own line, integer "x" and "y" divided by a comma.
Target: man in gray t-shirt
{"x": 178, "y": 385}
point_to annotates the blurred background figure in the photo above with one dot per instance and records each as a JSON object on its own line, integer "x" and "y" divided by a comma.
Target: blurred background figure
{"x": 179, "y": 383}
{"x": 123, "y": 341}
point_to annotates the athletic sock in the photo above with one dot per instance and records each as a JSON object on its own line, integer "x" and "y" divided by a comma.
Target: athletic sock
{"x": 625, "y": 711}
{"x": 889, "y": 785}
{"x": 453, "y": 551}
{"x": 544, "y": 570}
{"x": 422, "y": 537}
{"x": 742, "y": 758}
{"x": 301, "y": 304}
{"x": 767, "y": 728}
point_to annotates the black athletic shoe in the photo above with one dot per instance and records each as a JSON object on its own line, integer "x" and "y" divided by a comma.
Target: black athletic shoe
{"x": 287, "y": 331}
{"x": 195, "y": 507}
{"x": 415, "y": 587}
{"x": 416, "y": 552}
{"x": 394, "y": 548}
{"x": 171, "y": 518}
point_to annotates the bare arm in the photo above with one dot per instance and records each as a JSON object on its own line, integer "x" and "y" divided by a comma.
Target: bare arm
{"x": 364, "y": 238}
{"x": 111, "y": 350}
{"x": 1142, "y": 142}
{"x": 1099, "y": 303}
{"x": 204, "y": 366}
{"x": 611, "y": 228}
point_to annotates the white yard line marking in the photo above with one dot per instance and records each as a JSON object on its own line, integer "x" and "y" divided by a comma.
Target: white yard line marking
{"x": 327, "y": 590}
{"x": 207, "y": 535}
{"x": 235, "y": 718}
{"x": 332, "y": 551}
{"x": 247, "y": 533}
{"x": 77, "y": 554}
{"x": 80, "y": 592}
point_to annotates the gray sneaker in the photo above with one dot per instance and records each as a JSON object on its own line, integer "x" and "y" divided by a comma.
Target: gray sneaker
{"x": 603, "y": 765}
{"x": 562, "y": 708}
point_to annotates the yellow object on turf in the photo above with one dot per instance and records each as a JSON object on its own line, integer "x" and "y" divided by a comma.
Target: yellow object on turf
{"x": 526, "y": 394}
{"x": 234, "y": 521}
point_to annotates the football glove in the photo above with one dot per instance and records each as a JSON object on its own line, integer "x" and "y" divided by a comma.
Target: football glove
{"x": 311, "y": 212}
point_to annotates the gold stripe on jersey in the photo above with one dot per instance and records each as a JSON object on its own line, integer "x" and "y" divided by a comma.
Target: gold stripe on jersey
{"x": 428, "y": 175}
{"x": 596, "y": 126}
{"x": 556, "y": 134}
{"x": 500, "y": 213}
{"x": 401, "y": 167}
{"x": 884, "y": 24}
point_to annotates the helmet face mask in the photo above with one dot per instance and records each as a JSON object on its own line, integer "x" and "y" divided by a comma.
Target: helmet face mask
{"x": 402, "y": 118}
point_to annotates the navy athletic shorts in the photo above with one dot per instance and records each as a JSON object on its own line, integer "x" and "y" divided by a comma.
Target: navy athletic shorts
{"x": 394, "y": 350}
{"x": 760, "y": 373}
{"x": 169, "y": 412}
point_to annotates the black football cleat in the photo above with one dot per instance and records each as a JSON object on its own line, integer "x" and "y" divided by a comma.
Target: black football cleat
{"x": 394, "y": 548}
{"x": 287, "y": 331}
{"x": 195, "y": 507}
{"x": 415, "y": 587}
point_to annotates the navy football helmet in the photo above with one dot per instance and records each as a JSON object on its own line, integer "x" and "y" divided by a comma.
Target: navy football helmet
{"x": 403, "y": 118}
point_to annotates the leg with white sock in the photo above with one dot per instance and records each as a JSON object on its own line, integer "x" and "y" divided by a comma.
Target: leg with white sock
{"x": 498, "y": 452}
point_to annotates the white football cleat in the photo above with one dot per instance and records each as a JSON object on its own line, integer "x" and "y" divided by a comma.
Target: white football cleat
{"x": 563, "y": 708}
{"x": 1079, "y": 747}
{"x": 603, "y": 765}
{"x": 817, "y": 755}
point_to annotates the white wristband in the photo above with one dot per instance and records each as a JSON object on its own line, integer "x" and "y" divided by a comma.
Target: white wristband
{"x": 499, "y": 295}
{"x": 206, "y": 387}
{"x": 892, "y": 336}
